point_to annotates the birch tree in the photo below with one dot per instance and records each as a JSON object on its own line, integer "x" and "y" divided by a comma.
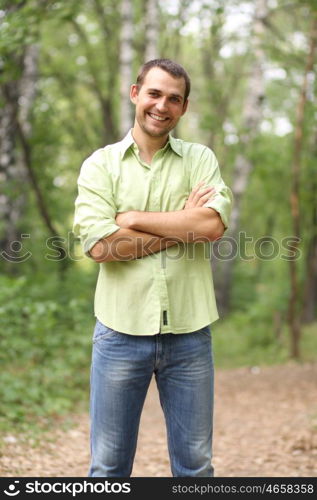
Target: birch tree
{"x": 252, "y": 115}
{"x": 126, "y": 61}
{"x": 151, "y": 30}
{"x": 12, "y": 198}
{"x": 18, "y": 92}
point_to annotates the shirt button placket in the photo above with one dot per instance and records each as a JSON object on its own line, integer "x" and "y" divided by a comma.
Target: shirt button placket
{"x": 160, "y": 270}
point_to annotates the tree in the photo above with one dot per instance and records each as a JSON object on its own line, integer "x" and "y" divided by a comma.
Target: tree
{"x": 294, "y": 299}
{"x": 151, "y": 30}
{"x": 252, "y": 114}
{"x": 126, "y": 61}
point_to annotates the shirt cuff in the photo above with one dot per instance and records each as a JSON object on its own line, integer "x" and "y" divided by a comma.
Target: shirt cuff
{"x": 223, "y": 206}
{"x": 96, "y": 233}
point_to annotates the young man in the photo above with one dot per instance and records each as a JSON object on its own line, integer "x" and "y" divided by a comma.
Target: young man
{"x": 147, "y": 208}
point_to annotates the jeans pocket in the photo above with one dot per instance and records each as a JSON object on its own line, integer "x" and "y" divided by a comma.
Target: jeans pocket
{"x": 205, "y": 331}
{"x": 101, "y": 331}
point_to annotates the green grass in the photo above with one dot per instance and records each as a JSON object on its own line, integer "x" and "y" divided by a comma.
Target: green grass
{"x": 239, "y": 342}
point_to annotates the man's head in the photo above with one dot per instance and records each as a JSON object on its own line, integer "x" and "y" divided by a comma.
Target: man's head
{"x": 171, "y": 67}
{"x": 160, "y": 95}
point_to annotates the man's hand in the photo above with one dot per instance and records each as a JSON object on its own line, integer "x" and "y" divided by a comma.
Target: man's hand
{"x": 125, "y": 219}
{"x": 199, "y": 196}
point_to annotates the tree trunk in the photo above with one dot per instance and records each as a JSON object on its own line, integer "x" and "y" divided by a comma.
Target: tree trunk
{"x": 126, "y": 60}
{"x": 309, "y": 310}
{"x": 12, "y": 174}
{"x": 294, "y": 300}
{"x": 252, "y": 115}
{"x": 15, "y": 163}
{"x": 151, "y": 30}
{"x": 27, "y": 87}
{"x": 27, "y": 93}
{"x": 310, "y": 287}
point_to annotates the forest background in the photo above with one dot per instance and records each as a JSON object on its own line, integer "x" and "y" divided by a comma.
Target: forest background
{"x": 65, "y": 73}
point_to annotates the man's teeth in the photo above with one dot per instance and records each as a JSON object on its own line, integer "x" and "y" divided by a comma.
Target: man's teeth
{"x": 156, "y": 117}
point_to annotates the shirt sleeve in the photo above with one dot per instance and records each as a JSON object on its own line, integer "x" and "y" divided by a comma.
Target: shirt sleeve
{"x": 205, "y": 168}
{"x": 95, "y": 209}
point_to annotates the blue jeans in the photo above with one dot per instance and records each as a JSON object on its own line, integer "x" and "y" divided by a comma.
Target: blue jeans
{"x": 121, "y": 371}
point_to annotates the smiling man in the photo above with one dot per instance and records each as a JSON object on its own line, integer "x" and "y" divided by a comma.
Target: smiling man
{"x": 156, "y": 113}
{"x": 147, "y": 209}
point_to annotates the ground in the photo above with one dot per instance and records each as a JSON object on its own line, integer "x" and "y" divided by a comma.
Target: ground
{"x": 265, "y": 426}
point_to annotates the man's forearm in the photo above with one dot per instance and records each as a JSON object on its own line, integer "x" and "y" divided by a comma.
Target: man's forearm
{"x": 194, "y": 224}
{"x": 129, "y": 244}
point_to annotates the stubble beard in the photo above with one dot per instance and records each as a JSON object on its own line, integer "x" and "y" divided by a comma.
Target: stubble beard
{"x": 154, "y": 133}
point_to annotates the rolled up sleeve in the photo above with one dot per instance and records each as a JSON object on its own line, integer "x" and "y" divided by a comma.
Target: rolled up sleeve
{"x": 95, "y": 209}
{"x": 207, "y": 170}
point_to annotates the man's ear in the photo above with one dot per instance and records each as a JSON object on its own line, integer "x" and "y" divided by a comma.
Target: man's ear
{"x": 185, "y": 106}
{"x": 134, "y": 91}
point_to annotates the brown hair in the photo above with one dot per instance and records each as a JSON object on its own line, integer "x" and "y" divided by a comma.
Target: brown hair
{"x": 170, "y": 67}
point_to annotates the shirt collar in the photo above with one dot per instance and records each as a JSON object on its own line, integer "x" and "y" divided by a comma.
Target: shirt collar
{"x": 176, "y": 145}
{"x": 128, "y": 140}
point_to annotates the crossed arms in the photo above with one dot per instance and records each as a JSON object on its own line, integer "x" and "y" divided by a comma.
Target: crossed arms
{"x": 144, "y": 233}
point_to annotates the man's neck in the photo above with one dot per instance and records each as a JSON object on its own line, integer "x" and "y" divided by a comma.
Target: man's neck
{"x": 147, "y": 145}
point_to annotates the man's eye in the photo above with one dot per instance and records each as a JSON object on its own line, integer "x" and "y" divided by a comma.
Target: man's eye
{"x": 153, "y": 94}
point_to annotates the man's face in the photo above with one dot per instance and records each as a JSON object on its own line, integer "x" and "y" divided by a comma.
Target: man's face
{"x": 159, "y": 102}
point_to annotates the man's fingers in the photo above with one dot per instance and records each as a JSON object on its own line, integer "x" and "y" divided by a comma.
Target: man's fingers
{"x": 202, "y": 192}
{"x": 205, "y": 198}
{"x": 195, "y": 190}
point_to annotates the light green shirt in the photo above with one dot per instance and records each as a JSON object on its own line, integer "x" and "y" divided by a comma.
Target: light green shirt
{"x": 168, "y": 291}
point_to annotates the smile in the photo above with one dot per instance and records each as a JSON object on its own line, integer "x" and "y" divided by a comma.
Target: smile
{"x": 157, "y": 117}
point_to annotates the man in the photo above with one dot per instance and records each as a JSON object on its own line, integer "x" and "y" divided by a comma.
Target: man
{"x": 147, "y": 209}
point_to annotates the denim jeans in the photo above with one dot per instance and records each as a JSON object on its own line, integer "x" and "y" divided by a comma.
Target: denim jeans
{"x": 121, "y": 371}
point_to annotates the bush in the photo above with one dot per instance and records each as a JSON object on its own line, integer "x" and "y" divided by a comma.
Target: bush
{"x": 45, "y": 355}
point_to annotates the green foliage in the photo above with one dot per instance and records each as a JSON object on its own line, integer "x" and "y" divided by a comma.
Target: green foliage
{"x": 45, "y": 354}
{"x": 242, "y": 340}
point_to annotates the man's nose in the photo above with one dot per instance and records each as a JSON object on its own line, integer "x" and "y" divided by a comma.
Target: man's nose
{"x": 162, "y": 105}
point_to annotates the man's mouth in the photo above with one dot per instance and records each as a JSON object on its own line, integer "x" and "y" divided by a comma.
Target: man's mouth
{"x": 157, "y": 117}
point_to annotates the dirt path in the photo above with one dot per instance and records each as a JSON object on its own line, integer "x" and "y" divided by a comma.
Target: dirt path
{"x": 265, "y": 425}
